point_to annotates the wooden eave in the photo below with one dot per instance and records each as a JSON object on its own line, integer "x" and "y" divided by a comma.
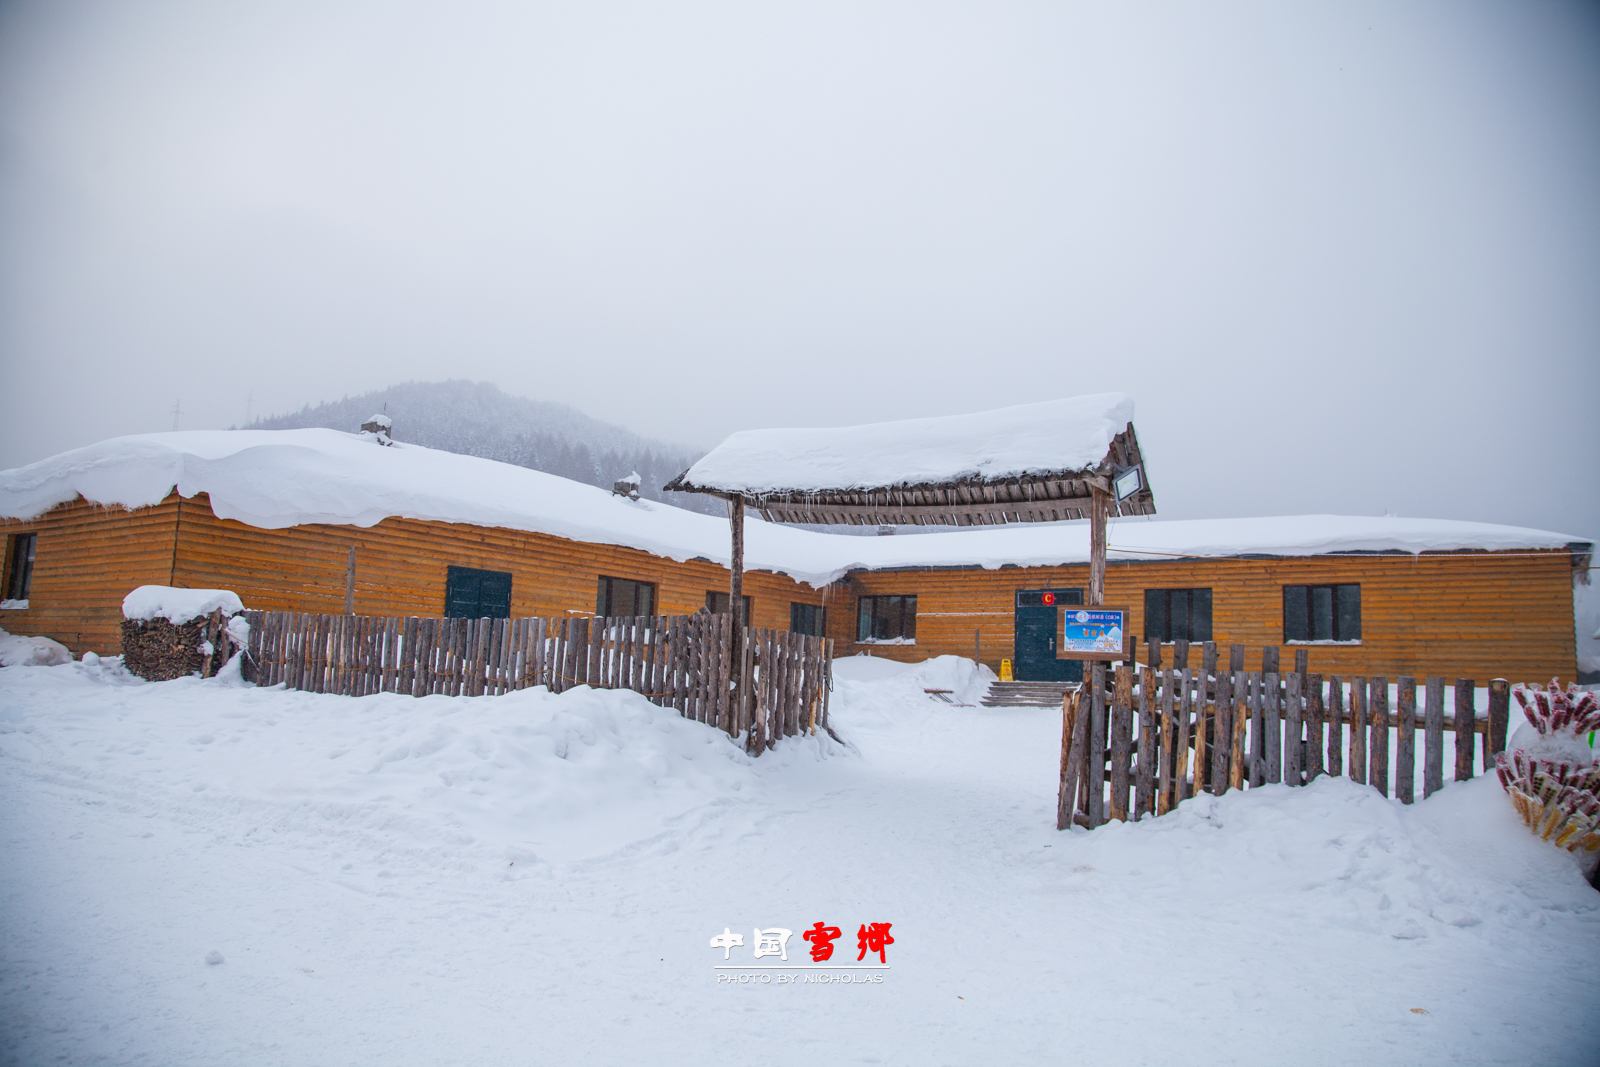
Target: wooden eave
{"x": 1051, "y": 496}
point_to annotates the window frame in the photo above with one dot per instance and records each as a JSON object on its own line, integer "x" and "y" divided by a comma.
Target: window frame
{"x": 605, "y": 596}
{"x": 749, "y": 603}
{"x": 820, "y": 618}
{"x": 19, "y": 569}
{"x": 1168, "y": 634}
{"x": 453, "y": 570}
{"x": 871, "y": 605}
{"x": 1339, "y": 600}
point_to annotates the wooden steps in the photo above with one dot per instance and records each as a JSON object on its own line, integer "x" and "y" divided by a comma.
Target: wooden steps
{"x": 1026, "y": 694}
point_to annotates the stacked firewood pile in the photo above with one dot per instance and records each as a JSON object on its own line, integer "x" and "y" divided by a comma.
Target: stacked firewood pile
{"x": 158, "y": 650}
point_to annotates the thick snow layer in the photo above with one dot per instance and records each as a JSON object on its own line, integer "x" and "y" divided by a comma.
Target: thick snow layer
{"x": 1073, "y": 434}
{"x": 535, "y": 879}
{"x": 16, "y": 651}
{"x": 178, "y": 605}
{"x": 273, "y": 479}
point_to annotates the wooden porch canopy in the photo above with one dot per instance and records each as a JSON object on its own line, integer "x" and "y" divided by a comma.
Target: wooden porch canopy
{"x": 1042, "y": 462}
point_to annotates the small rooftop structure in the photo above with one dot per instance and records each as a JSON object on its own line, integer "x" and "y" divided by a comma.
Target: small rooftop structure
{"x": 1038, "y": 462}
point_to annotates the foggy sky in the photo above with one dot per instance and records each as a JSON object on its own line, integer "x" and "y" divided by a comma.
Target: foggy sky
{"x": 1346, "y": 258}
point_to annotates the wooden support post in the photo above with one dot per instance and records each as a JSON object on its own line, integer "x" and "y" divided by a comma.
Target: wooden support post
{"x": 350, "y": 583}
{"x": 736, "y": 656}
{"x": 1499, "y": 716}
{"x": 1099, "y": 515}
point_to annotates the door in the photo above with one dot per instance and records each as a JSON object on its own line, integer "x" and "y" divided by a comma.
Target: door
{"x": 1034, "y": 658}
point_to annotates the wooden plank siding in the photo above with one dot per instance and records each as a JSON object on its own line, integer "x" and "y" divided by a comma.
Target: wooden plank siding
{"x": 1463, "y": 614}
{"x": 1472, "y": 615}
{"x": 89, "y": 558}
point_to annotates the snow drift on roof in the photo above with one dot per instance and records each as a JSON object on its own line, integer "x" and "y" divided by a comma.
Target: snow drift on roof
{"x": 1056, "y": 435}
{"x": 273, "y": 479}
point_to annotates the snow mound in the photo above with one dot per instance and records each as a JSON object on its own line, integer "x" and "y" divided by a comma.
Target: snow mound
{"x": 31, "y": 651}
{"x": 178, "y": 605}
{"x": 527, "y": 776}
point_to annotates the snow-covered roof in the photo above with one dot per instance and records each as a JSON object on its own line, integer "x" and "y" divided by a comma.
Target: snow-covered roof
{"x": 1049, "y": 437}
{"x": 273, "y": 479}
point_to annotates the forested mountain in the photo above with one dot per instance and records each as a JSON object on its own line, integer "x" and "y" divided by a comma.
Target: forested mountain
{"x": 477, "y": 419}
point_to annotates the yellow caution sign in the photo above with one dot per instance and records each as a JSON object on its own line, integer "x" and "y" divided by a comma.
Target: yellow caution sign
{"x": 1005, "y": 670}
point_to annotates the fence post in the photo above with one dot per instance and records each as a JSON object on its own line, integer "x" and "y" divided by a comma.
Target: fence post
{"x": 1144, "y": 782}
{"x": 1499, "y": 716}
{"x": 1294, "y": 730}
{"x": 1405, "y": 780}
{"x": 1315, "y": 712}
{"x": 1121, "y": 738}
{"x": 1466, "y": 735}
{"x": 1097, "y": 743}
{"x": 1433, "y": 737}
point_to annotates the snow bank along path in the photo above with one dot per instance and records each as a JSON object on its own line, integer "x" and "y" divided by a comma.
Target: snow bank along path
{"x": 535, "y": 879}
{"x": 273, "y": 479}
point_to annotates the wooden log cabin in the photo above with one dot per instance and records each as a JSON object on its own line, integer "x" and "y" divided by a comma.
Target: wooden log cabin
{"x": 316, "y": 520}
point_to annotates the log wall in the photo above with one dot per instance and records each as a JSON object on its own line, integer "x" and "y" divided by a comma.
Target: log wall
{"x": 1467, "y": 614}
{"x": 89, "y": 558}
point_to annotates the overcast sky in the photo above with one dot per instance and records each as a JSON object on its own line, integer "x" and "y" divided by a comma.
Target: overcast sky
{"x": 1345, "y": 257}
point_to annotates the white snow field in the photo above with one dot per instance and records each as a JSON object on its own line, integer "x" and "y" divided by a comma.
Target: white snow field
{"x": 536, "y": 879}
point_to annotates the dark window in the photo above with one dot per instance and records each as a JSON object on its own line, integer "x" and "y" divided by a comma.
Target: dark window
{"x": 1322, "y": 613}
{"x": 473, "y": 594}
{"x": 885, "y": 618}
{"x": 808, "y": 619}
{"x": 717, "y": 604}
{"x": 19, "y": 560}
{"x": 1177, "y": 615}
{"x": 624, "y": 596}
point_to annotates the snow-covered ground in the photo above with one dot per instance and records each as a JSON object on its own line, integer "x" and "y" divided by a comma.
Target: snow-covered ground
{"x": 536, "y": 879}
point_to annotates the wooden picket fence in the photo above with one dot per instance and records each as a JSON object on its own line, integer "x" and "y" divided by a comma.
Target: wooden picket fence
{"x": 1164, "y": 735}
{"x": 678, "y": 661}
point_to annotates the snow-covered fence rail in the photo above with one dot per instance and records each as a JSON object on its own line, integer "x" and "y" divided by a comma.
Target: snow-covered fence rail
{"x": 1152, "y": 738}
{"x": 677, "y": 661}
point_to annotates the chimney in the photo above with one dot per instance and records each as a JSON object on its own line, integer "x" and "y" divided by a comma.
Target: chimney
{"x": 628, "y": 487}
{"x": 378, "y": 427}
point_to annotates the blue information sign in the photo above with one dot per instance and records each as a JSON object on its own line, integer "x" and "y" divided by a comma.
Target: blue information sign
{"x": 1092, "y": 633}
